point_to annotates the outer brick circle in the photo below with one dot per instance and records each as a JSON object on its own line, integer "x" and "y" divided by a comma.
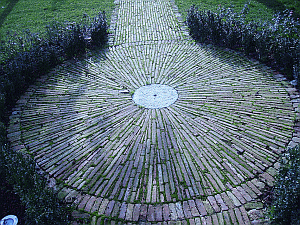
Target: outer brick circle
{"x": 228, "y": 126}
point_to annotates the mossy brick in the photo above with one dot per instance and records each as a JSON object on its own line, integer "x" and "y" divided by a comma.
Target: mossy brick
{"x": 253, "y": 205}
{"x": 63, "y": 193}
{"x": 232, "y": 216}
{"x": 234, "y": 199}
{"x": 220, "y": 201}
{"x": 208, "y": 208}
{"x": 80, "y": 215}
{"x": 245, "y": 215}
{"x": 129, "y": 212}
{"x": 194, "y": 210}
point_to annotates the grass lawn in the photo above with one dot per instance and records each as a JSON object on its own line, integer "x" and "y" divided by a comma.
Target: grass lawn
{"x": 18, "y": 15}
{"x": 259, "y": 9}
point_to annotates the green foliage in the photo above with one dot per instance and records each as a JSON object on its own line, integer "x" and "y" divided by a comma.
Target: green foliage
{"x": 98, "y": 30}
{"x": 42, "y": 206}
{"x": 285, "y": 208}
{"x": 2, "y": 133}
{"x": 274, "y": 43}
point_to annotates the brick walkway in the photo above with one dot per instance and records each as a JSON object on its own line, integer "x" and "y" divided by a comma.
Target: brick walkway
{"x": 206, "y": 159}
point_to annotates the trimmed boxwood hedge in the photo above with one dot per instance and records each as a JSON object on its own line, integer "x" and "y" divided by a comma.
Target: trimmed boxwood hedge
{"x": 23, "y": 59}
{"x": 42, "y": 205}
{"x": 274, "y": 43}
{"x": 285, "y": 208}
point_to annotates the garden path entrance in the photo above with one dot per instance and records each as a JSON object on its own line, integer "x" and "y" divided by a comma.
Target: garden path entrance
{"x": 205, "y": 158}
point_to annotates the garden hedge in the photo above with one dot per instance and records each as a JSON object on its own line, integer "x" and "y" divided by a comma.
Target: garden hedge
{"x": 285, "y": 208}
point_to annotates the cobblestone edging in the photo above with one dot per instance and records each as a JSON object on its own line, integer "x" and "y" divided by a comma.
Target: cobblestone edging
{"x": 205, "y": 159}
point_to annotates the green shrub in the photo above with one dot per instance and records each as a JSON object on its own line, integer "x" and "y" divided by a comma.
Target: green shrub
{"x": 285, "y": 208}
{"x": 274, "y": 43}
{"x": 42, "y": 205}
{"x": 98, "y": 30}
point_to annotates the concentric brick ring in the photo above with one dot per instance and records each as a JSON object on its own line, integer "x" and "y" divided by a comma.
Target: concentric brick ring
{"x": 229, "y": 124}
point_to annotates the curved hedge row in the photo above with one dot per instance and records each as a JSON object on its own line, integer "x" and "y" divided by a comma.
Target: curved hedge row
{"x": 23, "y": 59}
{"x": 285, "y": 208}
{"x": 274, "y": 43}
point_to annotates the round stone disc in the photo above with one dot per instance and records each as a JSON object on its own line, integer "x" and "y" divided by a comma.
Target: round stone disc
{"x": 155, "y": 96}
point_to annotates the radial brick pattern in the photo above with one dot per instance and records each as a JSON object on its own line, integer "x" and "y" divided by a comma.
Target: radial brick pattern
{"x": 204, "y": 159}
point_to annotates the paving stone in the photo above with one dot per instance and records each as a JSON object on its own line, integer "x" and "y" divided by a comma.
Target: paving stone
{"x": 226, "y": 217}
{"x": 109, "y": 208}
{"x": 89, "y": 204}
{"x": 194, "y": 210}
{"x": 173, "y": 211}
{"x": 201, "y": 207}
{"x": 143, "y": 212}
{"x": 253, "y": 205}
{"x": 123, "y": 210}
{"x": 186, "y": 210}
{"x": 116, "y": 209}
{"x": 239, "y": 216}
{"x": 179, "y": 210}
{"x": 254, "y": 188}
{"x": 129, "y": 213}
{"x": 166, "y": 212}
{"x": 158, "y": 213}
{"x": 255, "y": 214}
{"x": 249, "y": 191}
{"x": 234, "y": 199}
{"x": 245, "y": 215}
{"x": 136, "y": 212}
{"x": 80, "y": 215}
{"x": 268, "y": 179}
{"x": 233, "y": 217}
{"x": 209, "y": 209}
{"x": 220, "y": 201}
{"x": 84, "y": 201}
{"x": 213, "y": 203}
{"x": 151, "y": 213}
{"x": 103, "y": 206}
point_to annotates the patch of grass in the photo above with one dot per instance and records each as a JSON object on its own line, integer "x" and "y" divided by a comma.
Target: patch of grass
{"x": 34, "y": 15}
{"x": 259, "y": 9}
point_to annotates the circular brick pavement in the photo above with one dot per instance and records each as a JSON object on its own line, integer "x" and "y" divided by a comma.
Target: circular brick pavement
{"x": 227, "y": 127}
{"x": 206, "y": 157}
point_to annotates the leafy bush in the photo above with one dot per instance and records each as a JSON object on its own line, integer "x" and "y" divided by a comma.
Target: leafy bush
{"x": 98, "y": 30}
{"x": 285, "y": 208}
{"x": 42, "y": 206}
{"x": 274, "y": 43}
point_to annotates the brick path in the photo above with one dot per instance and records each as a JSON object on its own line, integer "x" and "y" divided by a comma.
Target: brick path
{"x": 206, "y": 159}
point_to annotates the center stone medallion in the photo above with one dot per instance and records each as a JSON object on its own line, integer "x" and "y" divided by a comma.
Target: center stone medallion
{"x": 155, "y": 96}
